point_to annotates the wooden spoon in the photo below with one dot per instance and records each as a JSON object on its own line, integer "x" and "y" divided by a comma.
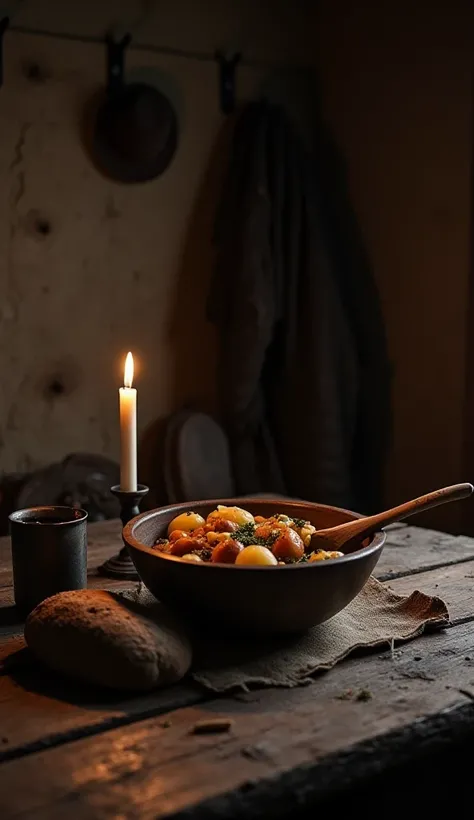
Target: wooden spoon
{"x": 336, "y": 538}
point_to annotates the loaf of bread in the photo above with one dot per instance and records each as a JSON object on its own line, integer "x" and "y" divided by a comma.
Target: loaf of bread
{"x": 105, "y": 639}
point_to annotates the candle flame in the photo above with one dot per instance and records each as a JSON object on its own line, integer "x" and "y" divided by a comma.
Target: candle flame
{"x": 128, "y": 374}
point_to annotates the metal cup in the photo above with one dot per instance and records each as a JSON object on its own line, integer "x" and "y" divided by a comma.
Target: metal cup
{"x": 49, "y": 553}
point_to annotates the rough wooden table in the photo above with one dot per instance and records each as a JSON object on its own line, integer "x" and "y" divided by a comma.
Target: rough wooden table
{"x": 67, "y": 751}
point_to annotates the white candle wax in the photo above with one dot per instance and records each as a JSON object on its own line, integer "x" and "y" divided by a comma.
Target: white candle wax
{"x": 128, "y": 430}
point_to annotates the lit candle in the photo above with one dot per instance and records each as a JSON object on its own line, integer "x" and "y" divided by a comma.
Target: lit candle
{"x": 128, "y": 430}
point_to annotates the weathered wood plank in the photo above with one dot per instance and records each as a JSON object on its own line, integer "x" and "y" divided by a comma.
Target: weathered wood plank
{"x": 36, "y": 705}
{"x": 39, "y": 708}
{"x": 151, "y": 769}
{"x": 33, "y": 708}
{"x": 412, "y": 549}
{"x": 453, "y": 583}
{"x": 33, "y": 712}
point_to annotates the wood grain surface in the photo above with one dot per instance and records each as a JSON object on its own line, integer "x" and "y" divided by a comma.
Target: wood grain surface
{"x": 154, "y": 768}
{"x": 99, "y": 756}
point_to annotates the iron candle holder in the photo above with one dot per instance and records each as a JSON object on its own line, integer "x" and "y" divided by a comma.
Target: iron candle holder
{"x": 121, "y": 565}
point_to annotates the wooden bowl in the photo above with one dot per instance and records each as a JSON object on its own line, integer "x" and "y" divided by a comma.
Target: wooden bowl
{"x": 254, "y": 600}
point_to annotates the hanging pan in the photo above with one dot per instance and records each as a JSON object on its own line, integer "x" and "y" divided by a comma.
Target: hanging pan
{"x": 135, "y": 131}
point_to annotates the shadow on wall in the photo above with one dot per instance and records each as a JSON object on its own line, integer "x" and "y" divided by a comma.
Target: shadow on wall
{"x": 191, "y": 338}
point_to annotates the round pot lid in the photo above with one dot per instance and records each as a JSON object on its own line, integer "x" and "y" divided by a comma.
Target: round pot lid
{"x": 198, "y": 458}
{"x": 135, "y": 134}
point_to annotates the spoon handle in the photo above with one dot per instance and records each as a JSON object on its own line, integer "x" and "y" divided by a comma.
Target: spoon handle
{"x": 424, "y": 502}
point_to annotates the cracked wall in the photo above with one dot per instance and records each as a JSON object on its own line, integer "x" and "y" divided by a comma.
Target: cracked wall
{"x": 88, "y": 268}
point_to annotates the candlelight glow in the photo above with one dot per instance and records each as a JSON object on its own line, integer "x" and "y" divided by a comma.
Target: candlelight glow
{"x": 128, "y": 375}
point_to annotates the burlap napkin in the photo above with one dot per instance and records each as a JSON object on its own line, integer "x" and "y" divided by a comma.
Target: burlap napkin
{"x": 377, "y": 617}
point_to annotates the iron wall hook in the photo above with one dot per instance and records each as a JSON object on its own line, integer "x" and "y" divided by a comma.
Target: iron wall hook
{"x": 3, "y": 27}
{"x": 116, "y": 61}
{"x": 227, "y": 69}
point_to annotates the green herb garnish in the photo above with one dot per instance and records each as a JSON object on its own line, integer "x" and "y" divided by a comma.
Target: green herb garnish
{"x": 246, "y": 535}
{"x": 244, "y": 531}
{"x": 300, "y": 522}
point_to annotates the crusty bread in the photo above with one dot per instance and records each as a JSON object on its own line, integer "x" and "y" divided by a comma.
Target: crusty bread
{"x": 102, "y": 638}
